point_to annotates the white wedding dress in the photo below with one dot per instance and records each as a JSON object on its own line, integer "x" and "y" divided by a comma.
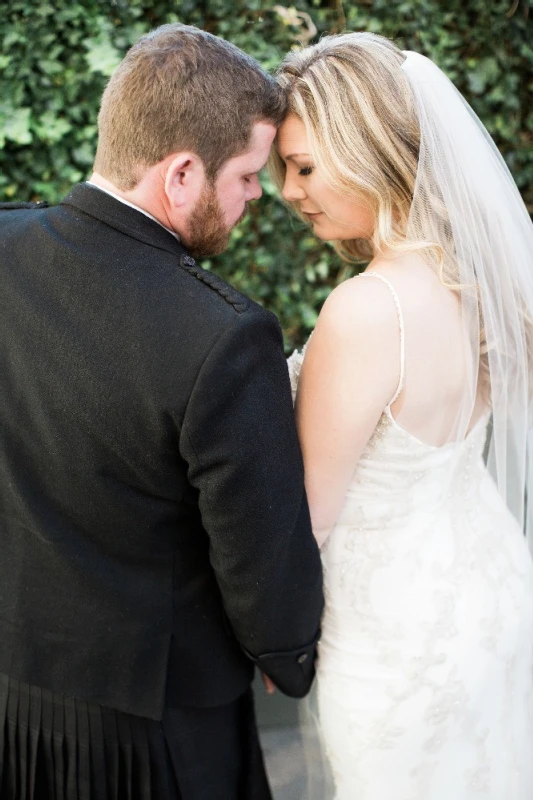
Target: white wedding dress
{"x": 425, "y": 668}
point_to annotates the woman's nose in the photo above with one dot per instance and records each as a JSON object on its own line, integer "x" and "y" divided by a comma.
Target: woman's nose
{"x": 292, "y": 191}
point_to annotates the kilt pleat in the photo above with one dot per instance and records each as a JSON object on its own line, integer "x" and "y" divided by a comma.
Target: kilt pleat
{"x": 52, "y": 746}
{"x": 34, "y": 732}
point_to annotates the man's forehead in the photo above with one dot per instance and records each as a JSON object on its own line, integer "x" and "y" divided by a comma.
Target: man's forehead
{"x": 254, "y": 158}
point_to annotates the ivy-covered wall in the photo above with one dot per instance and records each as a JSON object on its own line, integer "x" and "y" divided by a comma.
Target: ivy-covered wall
{"x": 56, "y": 57}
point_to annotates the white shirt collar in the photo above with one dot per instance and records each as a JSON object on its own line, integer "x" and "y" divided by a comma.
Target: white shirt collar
{"x": 132, "y": 205}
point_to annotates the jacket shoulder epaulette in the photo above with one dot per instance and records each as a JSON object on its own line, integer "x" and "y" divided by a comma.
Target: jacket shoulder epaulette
{"x": 15, "y": 206}
{"x": 230, "y": 295}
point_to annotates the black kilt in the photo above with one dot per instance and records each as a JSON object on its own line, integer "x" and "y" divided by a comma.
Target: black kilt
{"x": 54, "y": 747}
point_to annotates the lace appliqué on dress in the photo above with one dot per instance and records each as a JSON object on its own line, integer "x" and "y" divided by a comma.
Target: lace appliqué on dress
{"x": 294, "y": 364}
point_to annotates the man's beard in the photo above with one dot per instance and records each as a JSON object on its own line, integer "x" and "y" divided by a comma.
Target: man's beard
{"x": 208, "y": 234}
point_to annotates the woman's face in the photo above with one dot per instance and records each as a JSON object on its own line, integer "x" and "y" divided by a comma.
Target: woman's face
{"x": 332, "y": 215}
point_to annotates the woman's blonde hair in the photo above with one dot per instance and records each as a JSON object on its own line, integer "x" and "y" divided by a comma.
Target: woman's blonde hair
{"x": 358, "y": 110}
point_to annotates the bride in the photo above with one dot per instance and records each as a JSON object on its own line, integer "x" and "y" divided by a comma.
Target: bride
{"x": 416, "y": 369}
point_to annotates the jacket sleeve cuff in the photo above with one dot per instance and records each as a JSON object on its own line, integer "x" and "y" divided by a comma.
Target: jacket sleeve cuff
{"x": 292, "y": 671}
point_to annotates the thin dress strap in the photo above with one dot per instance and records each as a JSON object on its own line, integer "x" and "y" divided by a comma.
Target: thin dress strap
{"x": 402, "y": 331}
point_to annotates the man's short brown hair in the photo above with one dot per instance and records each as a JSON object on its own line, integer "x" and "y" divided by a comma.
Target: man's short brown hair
{"x": 180, "y": 88}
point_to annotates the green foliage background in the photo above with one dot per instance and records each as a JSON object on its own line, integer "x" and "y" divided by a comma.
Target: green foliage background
{"x": 56, "y": 57}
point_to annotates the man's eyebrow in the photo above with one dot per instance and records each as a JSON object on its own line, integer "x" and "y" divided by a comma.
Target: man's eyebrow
{"x": 255, "y": 169}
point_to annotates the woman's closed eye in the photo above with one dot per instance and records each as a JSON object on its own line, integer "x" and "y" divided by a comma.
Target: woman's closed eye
{"x": 305, "y": 171}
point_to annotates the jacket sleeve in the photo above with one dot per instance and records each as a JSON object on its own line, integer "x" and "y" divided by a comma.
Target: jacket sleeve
{"x": 239, "y": 440}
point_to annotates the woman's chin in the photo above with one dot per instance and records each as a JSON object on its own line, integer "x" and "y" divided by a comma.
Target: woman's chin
{"x": 323, "y": 229}
{"x": 322, "y": 232}
{"x": 319, "y": 225}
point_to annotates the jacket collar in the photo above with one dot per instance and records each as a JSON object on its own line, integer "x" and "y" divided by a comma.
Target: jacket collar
{"x": 100, "y": 205}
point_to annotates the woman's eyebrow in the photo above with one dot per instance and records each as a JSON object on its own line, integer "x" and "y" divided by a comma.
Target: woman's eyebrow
{"x": 293, "y": 156}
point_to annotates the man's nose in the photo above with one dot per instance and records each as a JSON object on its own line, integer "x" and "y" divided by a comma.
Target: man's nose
{"x": 255, "y": 189}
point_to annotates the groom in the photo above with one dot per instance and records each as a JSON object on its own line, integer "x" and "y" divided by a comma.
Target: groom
{"x": 155, "y": 538}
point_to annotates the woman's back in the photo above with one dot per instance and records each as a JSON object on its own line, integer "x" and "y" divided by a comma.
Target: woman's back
{"x": 431, "y": 404}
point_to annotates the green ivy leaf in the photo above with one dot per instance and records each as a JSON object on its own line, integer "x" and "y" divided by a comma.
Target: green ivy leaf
{"x": 101, "y": 55}
{"x": 15, "y": 125}
{"x": 51, "y": 128}
{"x": 483, "y": 74}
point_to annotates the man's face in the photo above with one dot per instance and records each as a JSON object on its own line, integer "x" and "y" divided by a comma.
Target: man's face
{"x": 223, "y": 204}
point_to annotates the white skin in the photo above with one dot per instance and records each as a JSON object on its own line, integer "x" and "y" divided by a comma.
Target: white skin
{"x": 352, "y": 364}
{"x": 171, "y": 189}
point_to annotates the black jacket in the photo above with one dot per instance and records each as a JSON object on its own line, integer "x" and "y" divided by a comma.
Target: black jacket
{"x": 153, "y": 520}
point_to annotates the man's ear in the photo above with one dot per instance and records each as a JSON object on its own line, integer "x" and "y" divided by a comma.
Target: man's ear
{"x": 184, "y": 180}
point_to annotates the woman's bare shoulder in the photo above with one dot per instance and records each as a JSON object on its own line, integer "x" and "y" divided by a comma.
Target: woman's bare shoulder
{"x": 358, "y": 305}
